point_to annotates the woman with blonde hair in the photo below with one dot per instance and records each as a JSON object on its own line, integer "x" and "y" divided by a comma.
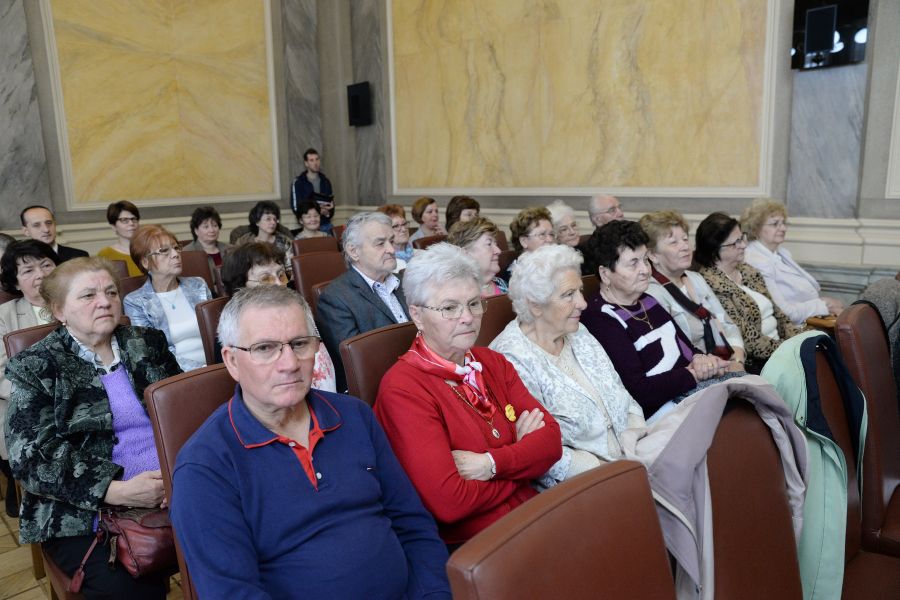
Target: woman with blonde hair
{"x": 478, "y": 237}
{"x": 794, "y": 290}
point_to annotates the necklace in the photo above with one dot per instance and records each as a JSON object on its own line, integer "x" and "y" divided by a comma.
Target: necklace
{"x": 488, "y": 420}
{"x": 635, "y": 316}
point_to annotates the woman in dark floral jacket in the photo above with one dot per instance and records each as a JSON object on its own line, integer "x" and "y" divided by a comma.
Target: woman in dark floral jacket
{"x": 78, "y": 432}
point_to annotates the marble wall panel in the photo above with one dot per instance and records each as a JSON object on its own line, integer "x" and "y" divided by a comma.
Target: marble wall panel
{"x": 165, "y": 100}
{"x": 301, "y": 78}
{"x": 826, "y": 136}
{"x": 23, "y": 166}
{"x": 367, "y": 50}
{"x": 572, "y": 93}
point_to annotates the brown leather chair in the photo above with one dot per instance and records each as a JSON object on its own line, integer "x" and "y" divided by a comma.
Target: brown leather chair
{"x": 178, "y": 406}
{"x": 582, "y": 239}
{"x": 130, "y": 284}
{"x": 506, "y": 258}
{"x": 315, "y": 267}
{"x": 866, "y": 574}
{"x": 863, "y": 341}
{"x": 316, "y": 294}
{"x": 120, "y": 268}
{"x": 22, "y": 339}
{"x": 368, "y": 356}
{"x": 195, "y": 263}
{"x": 497, "y": 315}
{"x": 594, "y": 536}
{"x": 500, "y": 236}
{"x": 321, "y": 244}
{"x": 755, "y": 552}
{"x": 6, "y": 296}
{"x": 338, "y": 232}
{"x": 591, "y": 285}
{"x": 428, "y": 240}
{"x": 208, "y": 313}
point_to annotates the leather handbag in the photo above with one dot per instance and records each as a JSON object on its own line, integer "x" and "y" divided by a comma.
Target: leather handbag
{"x": 140, "y": 539}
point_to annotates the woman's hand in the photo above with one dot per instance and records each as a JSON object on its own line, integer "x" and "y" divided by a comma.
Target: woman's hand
{"x": 472, "y": 466}
{"x": 707, "y": 366}
{"x": 834, "y": 305}
{"x": 144, "y": 490}
{"x": 528, "y": 422}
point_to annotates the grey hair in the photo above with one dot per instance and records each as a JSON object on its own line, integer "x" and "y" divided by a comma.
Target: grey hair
{"x": 536, "y": 276}
{"x": 262, "y": 296}
{"x": 559, "y": 210}
{"x": 353, "y": 230}
{"x": 438, "y": 264}
{"x": 593, "y": 209}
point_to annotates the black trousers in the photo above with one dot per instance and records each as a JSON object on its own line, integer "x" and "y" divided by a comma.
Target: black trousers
{"x": 100, "y": 581}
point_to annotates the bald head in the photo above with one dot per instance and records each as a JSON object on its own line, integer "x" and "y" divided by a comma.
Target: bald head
{"x": 604, "y": 208}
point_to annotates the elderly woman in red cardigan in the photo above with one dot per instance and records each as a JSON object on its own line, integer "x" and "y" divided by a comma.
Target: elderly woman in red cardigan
{"x": 466, "y": 430}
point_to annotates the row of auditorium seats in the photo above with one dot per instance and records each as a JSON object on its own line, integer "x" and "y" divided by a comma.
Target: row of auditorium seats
{"x": 599, "y": 533}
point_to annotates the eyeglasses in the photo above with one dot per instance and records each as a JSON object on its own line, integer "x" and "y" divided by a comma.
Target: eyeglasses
{"x": 741, "y": 240}
{"x": 544, "y": 235}
{"x": 776, "y": 224}
{"x": 127, "y": 220}
{"x": 400, "y": 226}
{"x": 613, "y": 210}
{"x": 567, "y": 229}
{"x": 451, "y": 312}
{"x": 270, "y": 279}
{"x": 264, "y": 353}
{"x": 166, "y": 250}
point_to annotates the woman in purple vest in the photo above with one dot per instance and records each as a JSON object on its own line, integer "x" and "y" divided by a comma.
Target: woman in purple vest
{"x": 79, "y": 436}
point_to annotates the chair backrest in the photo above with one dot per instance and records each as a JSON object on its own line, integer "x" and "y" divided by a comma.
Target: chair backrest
{"x": 833, "y": 409}
{"x": 500, "y": 236}
{"x": 208, "y": 313}
{"x": 582, "y": 239}
{"x": 6, "y": 296}
{"x": 594, "y": 536}
{"x": 338, "y": 231}
{"x": 22, "y": 339}
{"x": 129, "y": 284}
{"x": 120, "y": 268}
{"x": 428, "y": 240}
{"x": 319, "y": 244}
{"x": 316, "y": 294}
{"x": 497, "y": 314}
{"x": 864, "y": 345}
{"x": 315, "y": 267}
{"x": 591, "y": 285}
{"x": 195, "y": 263}
{"x": 178, "y": 406}
{"x": 368, "y": 356}
{"x": 506, "y": 258}
{"x": 755, "y": 554}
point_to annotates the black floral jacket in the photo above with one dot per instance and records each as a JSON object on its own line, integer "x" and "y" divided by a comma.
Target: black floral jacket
{"x": 59, "y": 427}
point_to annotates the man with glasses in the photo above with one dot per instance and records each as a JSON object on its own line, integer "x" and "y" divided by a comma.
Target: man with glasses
{"x": 368, "y": 294}
{"x": 286, "y": 491}
{"x": 38, "y": 223}
{"x": 604, "y": 208}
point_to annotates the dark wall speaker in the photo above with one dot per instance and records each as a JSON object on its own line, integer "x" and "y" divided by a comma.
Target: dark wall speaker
{"x": 359, "y": 104}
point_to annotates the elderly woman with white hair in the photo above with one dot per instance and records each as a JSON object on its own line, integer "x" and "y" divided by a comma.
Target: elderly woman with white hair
{"x": 563, "y": 365}
{"x": 465, "y": 428}
{"x": 564, "y": 226}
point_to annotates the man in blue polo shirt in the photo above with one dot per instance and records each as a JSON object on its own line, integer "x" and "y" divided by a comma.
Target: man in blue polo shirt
{"x": 287, "y": 492}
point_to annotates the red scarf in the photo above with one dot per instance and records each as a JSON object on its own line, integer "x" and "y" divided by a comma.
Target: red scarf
{"x": 423, "y": 358}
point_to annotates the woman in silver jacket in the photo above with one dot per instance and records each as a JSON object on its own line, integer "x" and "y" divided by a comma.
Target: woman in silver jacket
{"x": 563, "y": 365}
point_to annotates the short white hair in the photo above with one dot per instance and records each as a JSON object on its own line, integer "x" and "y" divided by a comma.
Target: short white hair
{"x": 594, "y": 204}
{"x": 559, "y": 210}
{"x": 536, "y": 277}
{"x": 353, "y": 230}
{"x": 259, "y": 296}
{"x": 436, "y": 265}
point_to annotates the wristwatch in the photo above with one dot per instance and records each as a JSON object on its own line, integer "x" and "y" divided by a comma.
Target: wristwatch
{"x": 493, "y": 465}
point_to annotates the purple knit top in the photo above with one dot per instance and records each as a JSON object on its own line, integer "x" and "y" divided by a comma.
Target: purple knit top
{"x": 135, "y": 449}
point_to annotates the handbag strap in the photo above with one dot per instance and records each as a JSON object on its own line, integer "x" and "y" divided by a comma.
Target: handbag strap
{"x": 78, "y": 577}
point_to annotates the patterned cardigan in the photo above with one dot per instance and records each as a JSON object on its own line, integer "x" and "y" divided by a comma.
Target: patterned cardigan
{"x": 59, "y": 427}
{"x": 743, "y": 310}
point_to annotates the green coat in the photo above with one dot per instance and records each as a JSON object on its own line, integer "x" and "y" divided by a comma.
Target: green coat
{"x": 59, "y": 427}
{"x": 821, "y": 545}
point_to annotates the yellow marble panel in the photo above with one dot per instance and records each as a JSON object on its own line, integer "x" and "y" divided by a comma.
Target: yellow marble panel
{"x": 165, "y": 99}
{"x": 578, "y": 93}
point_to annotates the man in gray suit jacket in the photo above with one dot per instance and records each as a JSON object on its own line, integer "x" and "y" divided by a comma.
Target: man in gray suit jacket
{"x": 368, "y": 295}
